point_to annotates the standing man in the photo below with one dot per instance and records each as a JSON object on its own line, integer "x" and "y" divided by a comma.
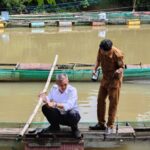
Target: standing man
{"x": 111, "y": 61}
{"x": 60, "y": 106}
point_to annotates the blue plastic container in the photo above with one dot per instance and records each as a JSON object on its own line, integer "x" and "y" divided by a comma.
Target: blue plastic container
{"x": 36, "y": 24}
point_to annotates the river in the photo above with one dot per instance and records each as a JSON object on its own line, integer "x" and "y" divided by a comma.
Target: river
{"x": 76, "y": 44}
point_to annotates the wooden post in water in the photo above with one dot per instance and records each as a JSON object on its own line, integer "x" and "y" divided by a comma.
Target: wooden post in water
{"x": 40, "y": 99}
{"x": 134, "y": 5}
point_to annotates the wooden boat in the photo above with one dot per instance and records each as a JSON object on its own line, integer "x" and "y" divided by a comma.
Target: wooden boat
{"x": 126, "y": 132}
{"x": 75, "y": 71}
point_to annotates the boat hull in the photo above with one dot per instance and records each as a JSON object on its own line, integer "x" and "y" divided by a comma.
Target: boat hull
{"x": 80, "y": 75}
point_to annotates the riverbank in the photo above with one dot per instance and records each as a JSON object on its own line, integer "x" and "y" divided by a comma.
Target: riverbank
{"x": 79, "y": 19}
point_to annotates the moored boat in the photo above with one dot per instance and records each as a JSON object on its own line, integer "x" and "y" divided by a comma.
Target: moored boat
{"x": 76, "y": 72}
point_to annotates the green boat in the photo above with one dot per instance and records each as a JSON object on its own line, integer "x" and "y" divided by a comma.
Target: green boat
{"x": 75, "y": 72}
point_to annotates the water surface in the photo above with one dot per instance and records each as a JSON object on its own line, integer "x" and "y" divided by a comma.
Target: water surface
{"x": 77, "y": 44}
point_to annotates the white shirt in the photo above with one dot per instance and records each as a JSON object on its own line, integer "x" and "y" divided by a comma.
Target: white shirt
{"x": 68, "y": 98}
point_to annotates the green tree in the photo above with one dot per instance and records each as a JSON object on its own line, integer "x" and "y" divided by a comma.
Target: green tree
{"x": 42, "y": 2}
{"x": 17, "y": 5}
{"x": 85, "y": 3}
{"x": 142, "y": 5}
{"x": 52, "y": 2}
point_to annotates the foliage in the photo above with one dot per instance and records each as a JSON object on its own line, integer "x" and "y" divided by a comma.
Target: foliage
{"x": 42, "y": 2}
{"x": 143, "y": 5}
{"x": 27, "y": 6}
{"x": 85, "y": 3}
{"x": 17, "y": 5}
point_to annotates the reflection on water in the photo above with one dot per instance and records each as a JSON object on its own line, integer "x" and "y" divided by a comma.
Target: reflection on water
{"x": 37, "y": 30}
{"x": 11, "y": 145}
{"x": 132, "y": 146}
{"x": 134, "y": 26}
{"x": 144, "y": 117}
{"x": 65, "y": 29}
{"x": 134, "y": 100}
{"x": 6, "y": 145}
{"x": 5, "y": 38}
{"x": 102, "y": 34}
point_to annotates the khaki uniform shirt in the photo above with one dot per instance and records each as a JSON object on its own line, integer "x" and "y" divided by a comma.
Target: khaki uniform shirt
{"x": 109, "y": 65}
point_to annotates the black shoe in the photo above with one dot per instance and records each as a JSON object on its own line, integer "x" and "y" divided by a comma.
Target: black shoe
{"x": 50, "y": 129}
{"x": 77, "y": 134}
{"x": 97, "y": 127}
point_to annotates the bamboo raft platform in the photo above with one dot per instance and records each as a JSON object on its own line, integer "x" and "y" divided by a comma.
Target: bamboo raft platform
{"x": 124, "y": 134}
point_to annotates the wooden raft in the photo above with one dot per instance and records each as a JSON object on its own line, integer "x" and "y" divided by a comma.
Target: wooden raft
{"x": 63, "y": 140}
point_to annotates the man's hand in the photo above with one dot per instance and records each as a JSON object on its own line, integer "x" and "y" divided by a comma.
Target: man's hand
{"x": 43, "y": 96}
{"x": 51, "y": 104}
{"x": 94, "y": 72}
{"x": 118, "y": 73}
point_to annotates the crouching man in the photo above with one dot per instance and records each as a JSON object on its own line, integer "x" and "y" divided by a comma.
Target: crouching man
{"x": 60, "y": 106}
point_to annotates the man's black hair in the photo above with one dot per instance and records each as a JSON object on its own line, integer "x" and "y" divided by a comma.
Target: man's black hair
{"x": 106, "y": 45}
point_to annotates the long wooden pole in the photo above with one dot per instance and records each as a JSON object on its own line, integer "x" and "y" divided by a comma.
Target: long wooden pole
{"x": 40, "y": 99}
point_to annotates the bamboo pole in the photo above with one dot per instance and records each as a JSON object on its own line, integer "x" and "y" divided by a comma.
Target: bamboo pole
{"x": 40, "y": 100}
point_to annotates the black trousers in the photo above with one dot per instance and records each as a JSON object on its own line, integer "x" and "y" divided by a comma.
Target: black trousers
{"x": 55, "y": 117}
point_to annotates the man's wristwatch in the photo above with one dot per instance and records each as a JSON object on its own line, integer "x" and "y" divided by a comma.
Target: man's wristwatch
{"x": 55, "y": 105}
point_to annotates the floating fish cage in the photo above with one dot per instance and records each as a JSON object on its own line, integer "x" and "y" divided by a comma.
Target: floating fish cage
{"x": 64, "y": 23}
{"x": 36, "y": 24}
{"x": 133, "y": 22}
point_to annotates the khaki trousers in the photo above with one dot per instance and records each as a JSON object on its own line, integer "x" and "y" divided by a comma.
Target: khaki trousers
{"x": 113, "y": 96}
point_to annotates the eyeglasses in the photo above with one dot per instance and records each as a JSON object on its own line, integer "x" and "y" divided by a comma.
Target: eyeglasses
{"x": 62, "y": 85}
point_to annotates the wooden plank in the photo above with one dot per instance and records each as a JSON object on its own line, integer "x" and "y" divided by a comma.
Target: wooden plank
{"x": 67, "y": 131}
{"x": 91, "y": 139}
{"x": 10, "y": 131}
{"x": 124, "y": 132}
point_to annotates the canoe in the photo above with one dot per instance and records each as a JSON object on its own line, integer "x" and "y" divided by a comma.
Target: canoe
{"x": 75, "y": 72}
